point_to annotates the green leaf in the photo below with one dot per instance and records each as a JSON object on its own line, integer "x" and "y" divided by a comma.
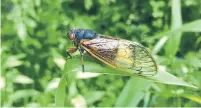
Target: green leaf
{"x": 192, "y": 97}
{"x": 61, "y": 92}
{"x": 92, "y": 65}
{"x": 174, "y": 39}
{"x": 82, "y": 22}
{"x": 14, "y": 60}
{"x": 176, "y": 14}
{"x": 79, "y": 101}
{"x": 164, "y": 77}
{"x": 133, "y": 92}
{"x": 22, "y": 79}
{"x": 147, "y": 99}
{"x": 72, "y": 89}
{"x": 93, "y": 96}
{"x": 21, "y": 31}
{"x": 2, "y": 83}
{"x": 58, "y": 59}
{"x": 23, "y": 94}
{"x": 88, "y": 4}
{"x": 30, "y": 22}
{"x": 68, "y": 80}
{"x": 53, "y": 84}
{"x": 37, "y": 3}
{"x": 194, "y": 26}
{"x": 159, "y": 45}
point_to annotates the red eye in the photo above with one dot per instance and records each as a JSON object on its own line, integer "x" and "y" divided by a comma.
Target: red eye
{"x": 72, "y": 36}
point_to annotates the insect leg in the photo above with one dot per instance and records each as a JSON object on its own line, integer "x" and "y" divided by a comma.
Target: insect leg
{"x": 82, "y": 57}
{"x": 69, "y": 51}
{"x": 68, "y": 55}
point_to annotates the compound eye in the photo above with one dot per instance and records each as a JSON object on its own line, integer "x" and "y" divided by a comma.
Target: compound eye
{"x": 72, "y": 36}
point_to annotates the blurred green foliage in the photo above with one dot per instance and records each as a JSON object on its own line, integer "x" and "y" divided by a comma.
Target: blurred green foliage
{"x": 33, "y": 36}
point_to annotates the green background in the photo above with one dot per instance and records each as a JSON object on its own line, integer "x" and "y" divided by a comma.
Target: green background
{"x": 33, "y": 44}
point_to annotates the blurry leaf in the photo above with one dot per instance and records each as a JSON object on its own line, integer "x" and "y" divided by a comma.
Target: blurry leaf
{"x": 71, "y": 77}
{"x": 86, "y": 75}
{"x": 21, "y": 31}
{"x": 174, "y": 39}
{"x": 1, "y": 50}
{"x": 60, "y": 62}
{"x": 67, "y": 80}
{"x": 83, "y": 22}
{"x": 102, "y": 2}
{"x": 21, "y": 79}
{"x": 198, "y": 41}
{"x": 72, "y": 89}
{"x": 156, "y": 5}
{"x": 156, "y": 87}
{"x": 93, "y": 96}
{"x": 176, "y": 14}
{"x": 194, "y": 26}
{"x": 133, "y": 92}
{"x": 53, "y": 84}
{"x": 193, "y": 59}
{"x": 22, "y": 94}
{"x": 34, "y": 42}
{"x": 58, "y": 58}
{"x": 71, "y": 73}
{"x": 28, "y": 7}
{"x": 116, "y": 17}
{"x": 30, "y": 22}
{"x": 159, "y": 45}
{"x": 192, "y": 97}
{"x": 44, "y": 99}
{"x": 37, "y": 2}
{"x": 2, "y": 83}
{"x": 13, "y": 61}
{"x": 164, "y": 77}
{"x": 79, "y": 102}
{"x": 60, "y": 95}
{"x": 33, "y": 105}
{"x": 146, "y": 99}
{"x": 88, "y": 4}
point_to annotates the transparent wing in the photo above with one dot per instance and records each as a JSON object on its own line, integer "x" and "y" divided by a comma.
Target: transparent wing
{"x": 122, "y": 54}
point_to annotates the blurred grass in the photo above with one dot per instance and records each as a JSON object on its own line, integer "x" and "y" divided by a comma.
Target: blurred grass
{"x": 33, "y": 37}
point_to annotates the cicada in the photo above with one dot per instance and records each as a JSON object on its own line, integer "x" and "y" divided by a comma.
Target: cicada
{"x": 118, "y": 53}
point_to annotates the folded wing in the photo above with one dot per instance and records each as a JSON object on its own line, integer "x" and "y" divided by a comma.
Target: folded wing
{"x": 122, "y": 54}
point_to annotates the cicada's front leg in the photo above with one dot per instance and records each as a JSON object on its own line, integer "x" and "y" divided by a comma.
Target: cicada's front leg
{"x": 70, "y": 51}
